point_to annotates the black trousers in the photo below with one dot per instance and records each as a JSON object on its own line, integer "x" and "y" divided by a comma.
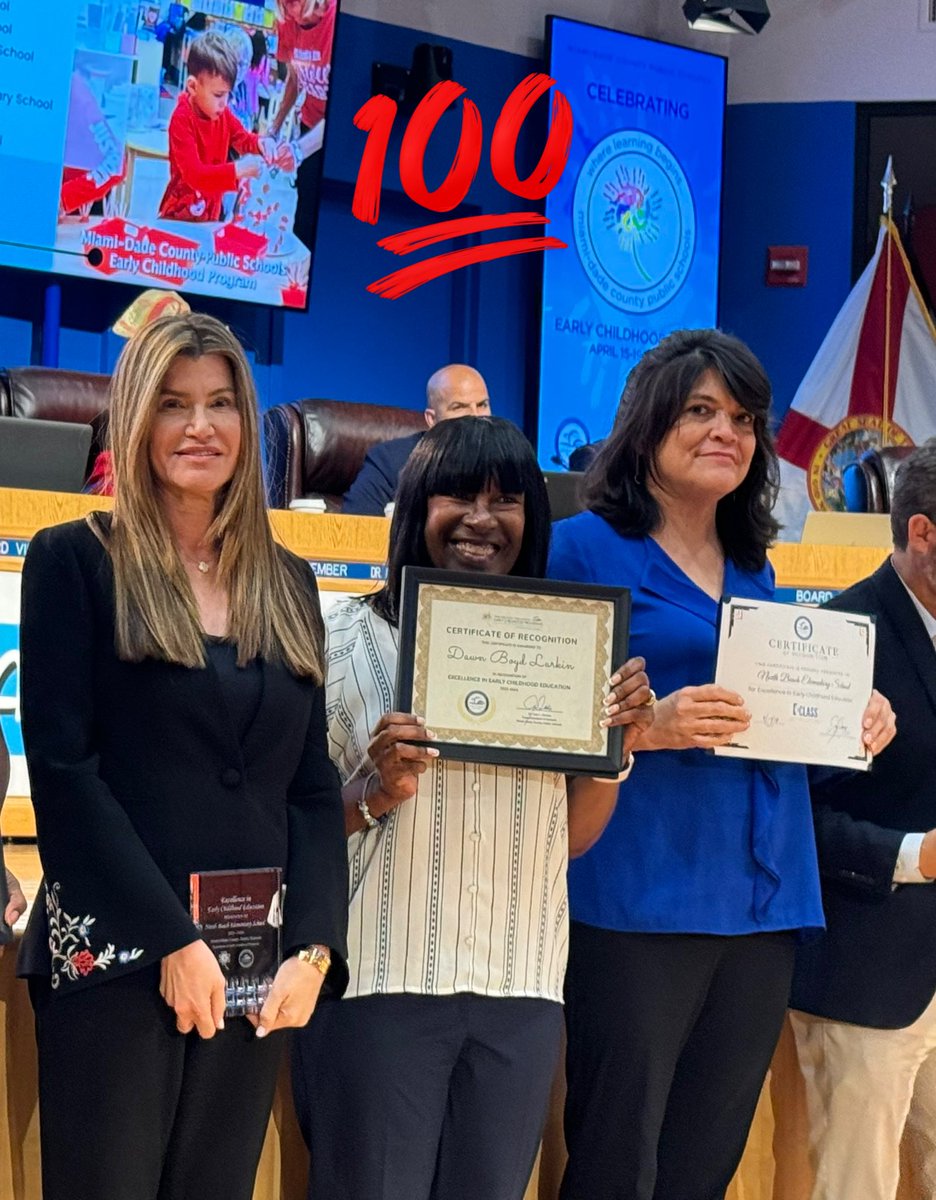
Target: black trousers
{"x": 408, "y": 1097}
{"x": 130, "y": 1109}
{"x": 669, "y": 1041}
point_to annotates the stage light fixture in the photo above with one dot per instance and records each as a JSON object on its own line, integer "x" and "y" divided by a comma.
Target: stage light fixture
{"x": 715, "y": 16}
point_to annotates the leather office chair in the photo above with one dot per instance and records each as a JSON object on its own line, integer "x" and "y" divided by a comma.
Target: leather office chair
{"x": 54, "y": 394}
{"x": 868, "y": 483}
{"x": 317, "y": 447}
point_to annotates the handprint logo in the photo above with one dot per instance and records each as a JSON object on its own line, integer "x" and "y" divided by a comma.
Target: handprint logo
{"x": 633, "y": 212}
{"x": 634, "y": 221}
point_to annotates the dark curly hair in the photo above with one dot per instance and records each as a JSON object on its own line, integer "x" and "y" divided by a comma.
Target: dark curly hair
{"x": 654, "y": 397}
{"x": 453, "y": 458}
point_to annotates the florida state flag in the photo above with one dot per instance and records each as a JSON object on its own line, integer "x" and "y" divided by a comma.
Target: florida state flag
{"x": 872, "y": 383}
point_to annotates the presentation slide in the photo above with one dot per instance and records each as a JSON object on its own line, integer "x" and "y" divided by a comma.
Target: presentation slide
{"x": 165, "y": 144}
{"x": 639, "y": 205}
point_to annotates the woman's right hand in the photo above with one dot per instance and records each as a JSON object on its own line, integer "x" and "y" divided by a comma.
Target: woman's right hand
{"x": 398, "y": 763}
{"x": 192, "y": 984}
{"x": 696, "y": 717}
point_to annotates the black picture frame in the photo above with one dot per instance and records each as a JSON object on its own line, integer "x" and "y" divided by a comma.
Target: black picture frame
{"x": 571, "y": 762}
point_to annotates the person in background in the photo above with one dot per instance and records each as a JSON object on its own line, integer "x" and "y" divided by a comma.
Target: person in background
{"x": 258, "y": 77}
{"x": 865, "y": 991}
{"x": 453, "y": 391}
{"x": 431, "y": 1081}
{"x": 203, "y": 132}
{"x": 305, "y": 33}
{"x": 684, "y": 914}
{"x": 15, "y": 900}
{"x": 174, "y": 722}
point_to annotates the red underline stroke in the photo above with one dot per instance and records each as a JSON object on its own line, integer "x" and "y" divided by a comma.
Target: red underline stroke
{"x": 398, "y": 283}
{"x": 441, "y": 231}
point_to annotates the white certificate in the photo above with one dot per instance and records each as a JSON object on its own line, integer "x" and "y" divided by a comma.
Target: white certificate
{"x": 806, "y": 677}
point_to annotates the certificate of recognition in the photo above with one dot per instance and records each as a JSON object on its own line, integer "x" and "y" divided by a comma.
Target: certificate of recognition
{"x": 806, "y": 678}
{"x": 513, "y": 671}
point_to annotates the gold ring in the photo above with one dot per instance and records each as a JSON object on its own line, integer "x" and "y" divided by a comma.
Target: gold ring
{"x": 650, "y": 701}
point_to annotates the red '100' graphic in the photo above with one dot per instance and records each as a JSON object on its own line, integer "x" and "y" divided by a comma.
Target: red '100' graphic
{"x": 376, "y": 118}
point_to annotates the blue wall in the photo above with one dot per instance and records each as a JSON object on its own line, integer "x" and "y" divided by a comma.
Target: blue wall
{"x": 789, "y": 180}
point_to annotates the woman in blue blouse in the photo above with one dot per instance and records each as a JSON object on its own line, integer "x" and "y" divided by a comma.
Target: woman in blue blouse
{"x": 684, "y": 913}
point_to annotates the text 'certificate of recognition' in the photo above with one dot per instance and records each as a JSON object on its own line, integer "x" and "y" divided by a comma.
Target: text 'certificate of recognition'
{"x": 806, "y": 678}
{"x": 513, "y": 671}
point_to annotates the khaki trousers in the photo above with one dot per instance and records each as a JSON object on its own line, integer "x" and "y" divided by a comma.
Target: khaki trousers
{"x": 865, "y": 1090}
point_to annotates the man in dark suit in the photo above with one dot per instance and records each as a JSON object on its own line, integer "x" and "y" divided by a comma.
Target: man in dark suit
{"x": 453, "y": 391}
{"x": 866, "y": 990}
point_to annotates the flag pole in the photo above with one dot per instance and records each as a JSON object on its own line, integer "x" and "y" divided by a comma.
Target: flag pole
{"x": 888, "y": 183}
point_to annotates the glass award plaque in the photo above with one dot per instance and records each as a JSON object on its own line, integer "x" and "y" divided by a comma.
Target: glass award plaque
{"x": 239, "y": 915}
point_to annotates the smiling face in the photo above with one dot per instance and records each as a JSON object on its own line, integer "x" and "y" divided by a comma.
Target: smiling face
{"x": 475, "y": 532}
{"x": 708, "y": 452}
{"x": 195, "y": 438}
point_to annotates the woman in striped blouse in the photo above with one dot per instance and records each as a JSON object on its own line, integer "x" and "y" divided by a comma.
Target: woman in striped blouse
{"x": 430, "y": 1082}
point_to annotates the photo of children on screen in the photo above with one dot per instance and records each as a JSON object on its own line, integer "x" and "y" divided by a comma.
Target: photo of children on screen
{"x": 203, "y": 131}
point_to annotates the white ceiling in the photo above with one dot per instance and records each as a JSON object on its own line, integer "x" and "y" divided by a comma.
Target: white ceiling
{"x": 810, "y": 49}
{"x": 517, "y": 25}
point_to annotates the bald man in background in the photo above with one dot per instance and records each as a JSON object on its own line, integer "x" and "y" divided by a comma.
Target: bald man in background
{"x": 453, "y": 391}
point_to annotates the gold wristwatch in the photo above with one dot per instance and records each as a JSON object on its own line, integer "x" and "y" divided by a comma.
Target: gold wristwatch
{"x": 318, "y": 956}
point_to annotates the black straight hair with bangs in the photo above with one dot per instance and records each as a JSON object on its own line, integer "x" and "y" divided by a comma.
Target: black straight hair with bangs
{"x": 653, "y": 400}
{"x": 456, "y": 458}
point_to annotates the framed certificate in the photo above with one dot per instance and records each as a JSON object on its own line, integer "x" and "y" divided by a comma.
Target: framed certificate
{"x": 806, "y": 677}
{"x": 513, "y": 671}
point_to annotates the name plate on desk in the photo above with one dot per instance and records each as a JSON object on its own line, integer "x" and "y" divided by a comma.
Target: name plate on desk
{"x": 513, "y": 671}
{"x": 806, "y": 678}
{"x": 238, "y": 913}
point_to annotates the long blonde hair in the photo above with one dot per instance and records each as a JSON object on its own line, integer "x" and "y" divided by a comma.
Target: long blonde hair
{"x": 269, "y": 602}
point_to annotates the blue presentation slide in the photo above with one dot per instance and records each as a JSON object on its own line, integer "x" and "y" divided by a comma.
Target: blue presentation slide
{"x": 639, "y": 205}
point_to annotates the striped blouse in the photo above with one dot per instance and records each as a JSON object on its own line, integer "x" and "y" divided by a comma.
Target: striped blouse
{"x": 463, "y": 887}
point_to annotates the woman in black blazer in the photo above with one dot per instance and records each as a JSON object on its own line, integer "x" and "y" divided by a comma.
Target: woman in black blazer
{"x": 173, "y": 716}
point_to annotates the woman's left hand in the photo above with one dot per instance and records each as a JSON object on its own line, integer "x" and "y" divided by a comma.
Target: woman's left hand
{"x": 879, "y": 723}
{"x": 292, "y": 998}
{"x": 629, "y": 701}
{"x": 17, "y": 905}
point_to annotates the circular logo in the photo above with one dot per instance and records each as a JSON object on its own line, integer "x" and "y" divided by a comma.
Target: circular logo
{"x": 634, "y": 221}
{"x": 841, "y": 446}
{"x": 802, "y": 627}
{"x": 569, "y": 436}
{"x": 477, "y": 704}
{"x": 245, "y": 959}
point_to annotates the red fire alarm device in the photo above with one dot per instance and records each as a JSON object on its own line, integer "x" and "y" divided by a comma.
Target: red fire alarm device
{"x": 786, "y": 266}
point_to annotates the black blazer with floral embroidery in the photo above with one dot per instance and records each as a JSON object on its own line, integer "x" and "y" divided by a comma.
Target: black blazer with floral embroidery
{"x": 138, "y": 778}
